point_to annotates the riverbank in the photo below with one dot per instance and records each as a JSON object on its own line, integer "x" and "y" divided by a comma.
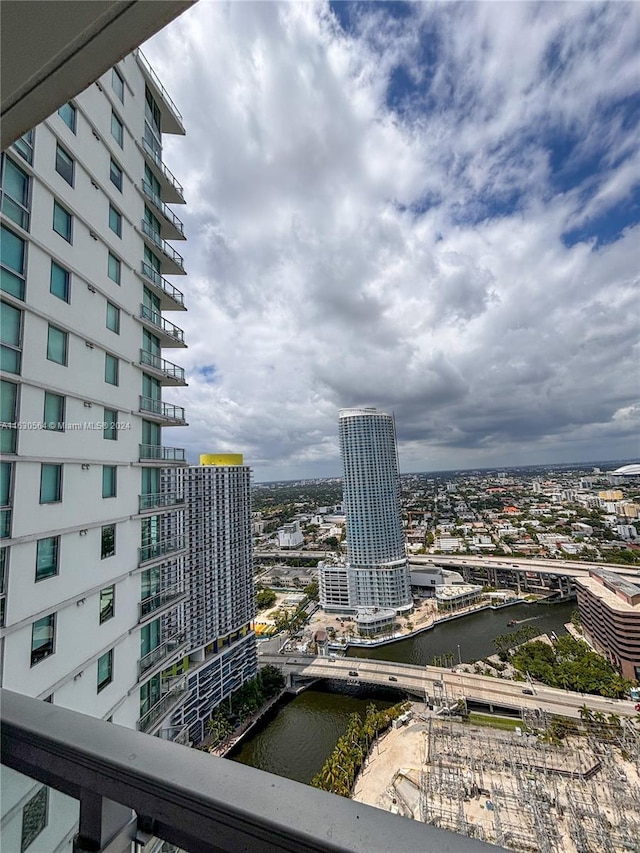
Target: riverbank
{"x": 244, "y": 728}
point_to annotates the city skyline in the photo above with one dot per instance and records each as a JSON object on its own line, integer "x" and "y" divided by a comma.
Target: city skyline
{"x": 427, "y": 208}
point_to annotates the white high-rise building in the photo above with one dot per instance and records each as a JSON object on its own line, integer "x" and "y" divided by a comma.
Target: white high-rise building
{"x": 91, "y": 562}
{"x": 376, "y": 557}
{"x": 220, "y": 604}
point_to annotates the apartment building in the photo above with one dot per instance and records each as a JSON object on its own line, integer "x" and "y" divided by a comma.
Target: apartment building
{"x": 93, "y": 544}
{"x": 220, "y": 604}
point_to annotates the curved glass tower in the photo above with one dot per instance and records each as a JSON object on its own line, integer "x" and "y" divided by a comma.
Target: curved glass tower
{"x": 375, "y": 542}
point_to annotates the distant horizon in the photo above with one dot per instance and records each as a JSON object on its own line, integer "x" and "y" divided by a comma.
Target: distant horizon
{"x": 587, "y": 463}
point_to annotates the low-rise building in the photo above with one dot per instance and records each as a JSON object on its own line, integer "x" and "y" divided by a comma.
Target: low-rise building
{"x": 290, "y": 535}
{"x": 457, "y": 596}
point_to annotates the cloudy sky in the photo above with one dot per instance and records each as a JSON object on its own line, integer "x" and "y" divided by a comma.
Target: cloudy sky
{"x": 429, "y": 208}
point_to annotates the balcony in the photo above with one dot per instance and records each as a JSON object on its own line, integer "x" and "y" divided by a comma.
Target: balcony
{"x": 189, "y": 798}
{"x": 171, "y": 117}
{"x": 174, "y": 694}
{"x": 155, "y": 604}
{"x": 161, "y": 655}
{"x": 169, "y": 415}
{"x": 5, "y": 523}
{"x": 177, "y": 734}
{"x": 172, "y": 261}
{"x": 171, "y": 299}
{"x": 172, "y": 191}
{"x": 172, "y": 227}
{"x": 172, "y": 335}
{"x": 169, "y": 373}
{"x": 162, "y": 500}
{"x": 168, "y": 456}
{"x": 161, "y": 549}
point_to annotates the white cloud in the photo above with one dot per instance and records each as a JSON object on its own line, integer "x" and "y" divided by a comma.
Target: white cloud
{"x": 343, "y": 252}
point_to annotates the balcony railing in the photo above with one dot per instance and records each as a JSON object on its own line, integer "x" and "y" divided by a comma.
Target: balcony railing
{"x": 163, "y": 708}
{"x": 162, "y": 409}
{"x": 164, "y": 211}
{"x": 171, "y": 330}
{"x": 167, "y": 368}
{"x": 160, "y": 453}
{"x": 5, "y": 523}
{"x": 157, "y": 550}
{"x": 167, "y": 250}
{"x": 177, "y": 734}
{"x": 154, "y": 153}
{"x": 160, "y": 500}
{"x": 162, "y": 284}
{"x": 190, "y": 799}
{"x": 167, "y": 649}
{"x": 156, "y": 82}
{"x": 159, "y": 600}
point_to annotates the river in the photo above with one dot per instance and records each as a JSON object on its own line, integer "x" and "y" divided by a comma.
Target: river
{"x": 296, "y": 738}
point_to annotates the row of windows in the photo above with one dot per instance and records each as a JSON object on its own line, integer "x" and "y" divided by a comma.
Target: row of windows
{"x": 43, "y": 644}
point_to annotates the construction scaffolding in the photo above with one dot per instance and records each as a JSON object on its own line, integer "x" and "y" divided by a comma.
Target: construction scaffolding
{"x": 525, "y": 794}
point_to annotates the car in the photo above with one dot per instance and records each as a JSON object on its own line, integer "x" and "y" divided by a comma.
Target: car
{"x": 528, "y": 691}
{"x": 392, "y": 678}
{"x": 353, "y": 673}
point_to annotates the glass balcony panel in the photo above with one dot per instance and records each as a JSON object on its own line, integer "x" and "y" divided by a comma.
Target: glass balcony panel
{"x": 161, "y": 500}
{"x": 171, "y": 372}
{"x": 160, "y": 453}
{"x": 162, "y": 284}
{"x": 157, "y": 550}
{"x": 173, "y": 190}
{"x": 163, "y": 652}
{"x": 159, "y": 600}
{"x": 167, "y": 214}
{"x": 162, "y": 409}
{"x": 5, "y": 523}
{"x": 172, "y": 331}
{"x": 167, "y": 250}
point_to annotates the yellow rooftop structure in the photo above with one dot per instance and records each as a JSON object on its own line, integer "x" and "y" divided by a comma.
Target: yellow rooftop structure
{"x": 221, "y": 459}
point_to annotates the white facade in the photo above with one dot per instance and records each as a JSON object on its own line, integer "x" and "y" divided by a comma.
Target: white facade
{"x": 375, "y": 541}
{"x": 92, "y": 526}
{"x": 290, "y": 535}
{"x": 220, "y": 604}
{"x": 334, "y": 589}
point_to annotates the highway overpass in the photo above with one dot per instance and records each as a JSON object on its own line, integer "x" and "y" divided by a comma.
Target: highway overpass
{"x": 446, "y": 686}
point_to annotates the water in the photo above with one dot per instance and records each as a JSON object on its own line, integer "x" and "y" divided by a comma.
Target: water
{"x": 474, "y": 634}
{"x": 304, "y": 732}
{"x": 298, "y": 738}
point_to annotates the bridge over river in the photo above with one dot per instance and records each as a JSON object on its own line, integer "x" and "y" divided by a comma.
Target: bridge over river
{"x": 445, "y": 687}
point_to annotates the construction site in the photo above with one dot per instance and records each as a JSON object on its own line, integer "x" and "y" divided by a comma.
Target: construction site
{"x": 514, "y": 788}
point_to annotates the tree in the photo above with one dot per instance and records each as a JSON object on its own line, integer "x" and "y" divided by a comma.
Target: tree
{"x": 311, "y": 590}
{"x": 265, "y": 598}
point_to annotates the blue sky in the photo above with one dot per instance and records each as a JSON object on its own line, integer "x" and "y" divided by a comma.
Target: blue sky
{"x": 431, "y": 208}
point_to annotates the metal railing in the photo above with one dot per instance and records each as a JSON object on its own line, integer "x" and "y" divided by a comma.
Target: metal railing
{"x": 160, "y": 500}
{"x": 165, "y": 650}
{"x": 156, "y": 82}
{"x": 155, "y": 154}
{"x": 162, "y": 208}
{"x": 5, "y": 523}
{"x": 177, "y": 734}
{"x": 190, "y": 799}
{"x": 159, "y": 600}
{"x": 162, "y": 708}
{"x": 160, "y": 453}
{"x": 161, "y": 244}
{"x": 160, "y": 549}
{"x": 162, "y": 409}
{"x": 168, "y": 368}
{"x": 161, "y": 283}
{"x": 159, "y": 322}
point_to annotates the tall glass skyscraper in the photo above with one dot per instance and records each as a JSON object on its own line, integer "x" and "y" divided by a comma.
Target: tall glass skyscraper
{"x": 377, "y": 563}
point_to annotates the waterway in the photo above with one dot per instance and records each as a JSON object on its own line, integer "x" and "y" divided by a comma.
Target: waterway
{"x": 296, "y": 737}
{"x": 474, "y": 634}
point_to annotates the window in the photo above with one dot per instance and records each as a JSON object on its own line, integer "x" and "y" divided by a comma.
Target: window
{"x": 107, "y": 603}
{"x": 105, "y": 670}
{"x": 53, "y": 417}
{"x": 115, "y": 175}
{"x": 113, "y": 318}
{"x": 10, "y": 338}
{"x": 14, "y": 192}
{"x": 108, "y": 541}
{"x": 109, "y": 481}
{"x": 115, "y": 220}
{"x": 8, "y": 404}
{"x": 47, "y": 551}
{"x": 13, "y": 258}
{"x": 110, "y": 420}
{"x": 24, "y": 146}
{"x": 110, "y": 369}
{"x": 50, "y": 483}
{"x": 118, "y": 84}
{"x": 117, "y": 129}
{"x": 57, "y": 345}
{"x": 62, "y": 221}
{"x": 113, "y": 268}
{"x": 60, "y": 281}
{"x": 6, "y": 471}
{"x": 34, "y": 817}
{"x": 64, "y": 164}
{"x": 67, "y": 113}
{"x": 43, "y": 634}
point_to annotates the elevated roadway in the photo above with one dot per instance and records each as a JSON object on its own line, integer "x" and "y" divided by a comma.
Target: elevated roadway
{"x": 446, "y": 686}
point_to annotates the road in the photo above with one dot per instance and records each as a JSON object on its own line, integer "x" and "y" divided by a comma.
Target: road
{"x": 449, "y": 685}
